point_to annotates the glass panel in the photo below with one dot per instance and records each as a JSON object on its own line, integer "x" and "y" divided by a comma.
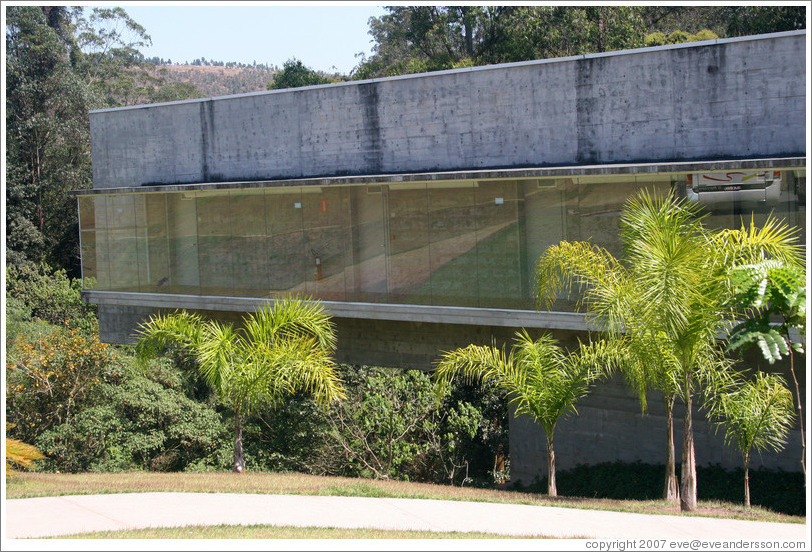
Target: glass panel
{"x": 545, "y": 219}
{"x": 366, "y": 273}
{"x": 326, "y": 232}
{"x": 289, "y": 261}
{"x": 249, "y": 244}
{"x": 596, "y": 214}
{"x": 90, "y": 271}
{"x": 87, "y": 238}
{"x": 87, "y": 212}
{"x": 122, "y": 244}
{"x": 445, "y": 243}
{"x": 730, "y": 199}
{"x": 214, "y": 243}
{"x": 157, "y": 274}
{"x": 181, "y": 216}
{"x": 500, "y": 245}
{"x": 452, "y": 244}
{"x": 141, "y": 242}
{"x": 409, "y": 269}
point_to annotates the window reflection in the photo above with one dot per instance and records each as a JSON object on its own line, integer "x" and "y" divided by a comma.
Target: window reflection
{"x": 467, "y": 243}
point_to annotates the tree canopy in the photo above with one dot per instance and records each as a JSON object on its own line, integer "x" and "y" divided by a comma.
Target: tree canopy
{"x": 295, "y": 74}
{"x": 414, "y": 39}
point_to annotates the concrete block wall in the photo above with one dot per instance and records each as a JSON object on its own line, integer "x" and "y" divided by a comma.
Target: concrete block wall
{"x": 723, "y": 99}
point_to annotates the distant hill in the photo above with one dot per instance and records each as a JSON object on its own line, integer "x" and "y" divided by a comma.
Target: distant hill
{"x": 218, "y": 80}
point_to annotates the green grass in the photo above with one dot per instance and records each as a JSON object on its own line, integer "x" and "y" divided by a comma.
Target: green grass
{"x": 50, "y": 484}
{"x": 284, "y": 532}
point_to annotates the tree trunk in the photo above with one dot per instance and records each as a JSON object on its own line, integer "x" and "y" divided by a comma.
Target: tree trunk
{"x": 239, "y": 457}
{"x": 687, "y": 498}
{"x": 671, "y": 487}
{"x": 747, "y": 480}
{"x": 551, "y": 488}
{"x": 800, "y": 410}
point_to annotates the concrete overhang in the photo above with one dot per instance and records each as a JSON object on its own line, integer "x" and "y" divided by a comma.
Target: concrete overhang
{"x": 488, "y": 174}
{"x": 339, "y": 309}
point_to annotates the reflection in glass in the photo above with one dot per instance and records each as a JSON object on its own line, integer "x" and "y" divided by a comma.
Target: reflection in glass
{"x": 471, "y": 243}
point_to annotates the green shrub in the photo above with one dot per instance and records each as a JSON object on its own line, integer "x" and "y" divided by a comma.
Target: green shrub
{"x": 147, "y": 422}
{"x": 50, "y": 295}
{"x": 678, "y": 37}
{"x": 50, "y": 378}
{"x": 656, "y": 39}
{"x": 390, "y": 426}
{"x": 704, "y": 34}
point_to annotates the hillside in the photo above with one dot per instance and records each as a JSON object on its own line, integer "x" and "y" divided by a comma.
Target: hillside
{"x": 218, "y": 80}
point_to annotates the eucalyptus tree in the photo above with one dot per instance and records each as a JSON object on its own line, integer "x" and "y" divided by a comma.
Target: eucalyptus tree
{"x": 47, "y": 137}
{"x": 540, "y": 379}
{"x": 755, "y": 414}
{"x": 668, "y": 297}
{"x": 276, "y": 352}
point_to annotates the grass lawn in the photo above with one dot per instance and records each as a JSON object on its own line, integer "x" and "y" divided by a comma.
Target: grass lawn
{"x": 24, "y": 485}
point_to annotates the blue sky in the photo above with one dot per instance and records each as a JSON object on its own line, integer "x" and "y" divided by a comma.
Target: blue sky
{"x": 324, "y": 36}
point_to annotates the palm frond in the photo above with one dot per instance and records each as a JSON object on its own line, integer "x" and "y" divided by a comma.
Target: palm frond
{"x": 757, "y": 413}
{"x": 292, "y": 318}
{"x": 775, "y": 239}
{"x": 19, "y": 454}
{"x": 160, "y": 331}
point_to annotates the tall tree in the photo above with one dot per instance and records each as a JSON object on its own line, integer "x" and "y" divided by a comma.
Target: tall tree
{"x": 748, "y": 20}
{"x": 112, "y": 65}
{"x": 277, "y": 352}
{"x": 670, "y": 291}
{"x": 47, "y": 138}
{"x": 412, "y": 39}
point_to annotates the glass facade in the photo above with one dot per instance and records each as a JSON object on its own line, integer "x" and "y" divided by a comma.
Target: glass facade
{"x": 469, "y": 243}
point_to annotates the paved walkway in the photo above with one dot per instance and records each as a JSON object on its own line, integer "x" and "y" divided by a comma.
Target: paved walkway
{"x": 55, "y": 516}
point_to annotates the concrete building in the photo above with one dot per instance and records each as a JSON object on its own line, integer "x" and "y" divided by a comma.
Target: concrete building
{"x": 415, "y": 207}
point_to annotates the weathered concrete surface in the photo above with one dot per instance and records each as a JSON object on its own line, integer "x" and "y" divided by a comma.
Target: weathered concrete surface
{"x": 723, "y": 99}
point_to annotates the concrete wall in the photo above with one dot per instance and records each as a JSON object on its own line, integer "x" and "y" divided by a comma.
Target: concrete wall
{"x": 725, "y": 99}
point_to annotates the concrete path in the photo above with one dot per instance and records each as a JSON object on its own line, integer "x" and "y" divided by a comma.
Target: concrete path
{"x": 54, "y": 516}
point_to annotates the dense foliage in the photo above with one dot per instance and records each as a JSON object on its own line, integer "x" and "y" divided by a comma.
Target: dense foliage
{"x": 294, "y": 74}
{"x": 414, "y": 39}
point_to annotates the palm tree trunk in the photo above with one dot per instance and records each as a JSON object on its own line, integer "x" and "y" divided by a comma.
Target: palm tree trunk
{"x": 800, "y": 410}
{"x": 687, "y": 498}
{"x": 551, "y": 488}
{"x": 239, "y": 456}
{"x": 671, "y": 487}
{"x": 747, "y": 480}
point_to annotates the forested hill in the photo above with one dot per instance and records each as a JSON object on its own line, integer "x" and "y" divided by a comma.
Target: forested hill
{"x": 211, "y": 80}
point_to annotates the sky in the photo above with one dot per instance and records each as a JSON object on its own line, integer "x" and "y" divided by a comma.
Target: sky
{"x": 325, "y": 36}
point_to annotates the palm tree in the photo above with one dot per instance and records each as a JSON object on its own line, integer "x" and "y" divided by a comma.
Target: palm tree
{"x": 755, "y": 414}
{"x": 772, "y": 290}
{"x": 668, "y": 299}
{"x": 541, "y": 380}
{"x": 277, "y": 352}
{"x": 19, "y": 453}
